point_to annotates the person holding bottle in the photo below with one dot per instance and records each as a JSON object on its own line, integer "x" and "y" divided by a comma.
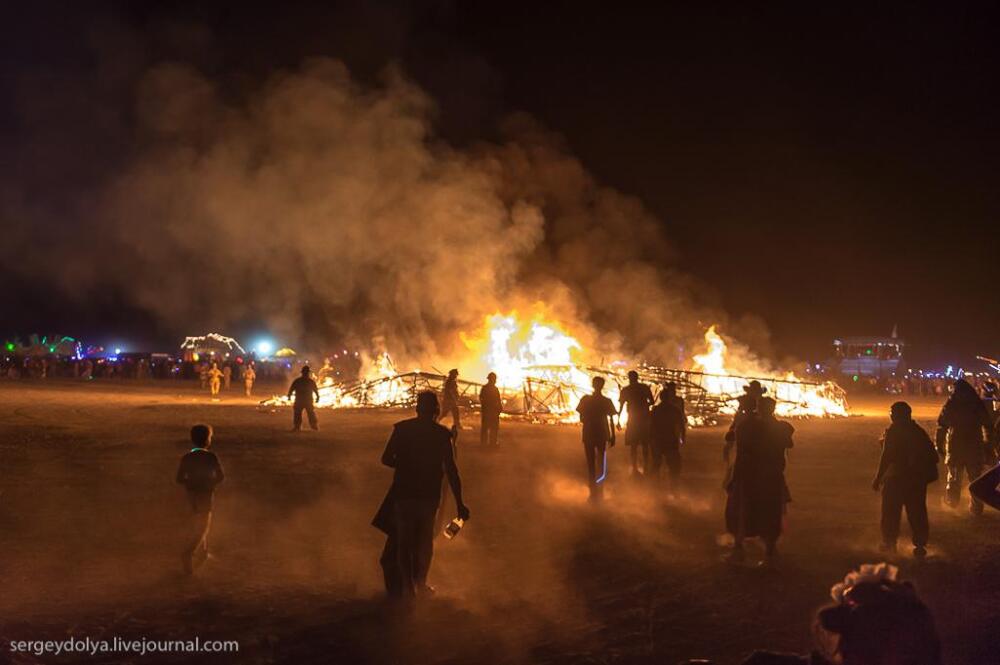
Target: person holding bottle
{"x": 421, "y": 454}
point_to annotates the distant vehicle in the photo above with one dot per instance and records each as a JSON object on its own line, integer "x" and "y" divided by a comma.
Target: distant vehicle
{"x": 879, "y": 358}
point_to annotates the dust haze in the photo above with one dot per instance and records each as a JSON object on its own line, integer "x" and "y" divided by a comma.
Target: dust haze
{"x": 94, "y": 526}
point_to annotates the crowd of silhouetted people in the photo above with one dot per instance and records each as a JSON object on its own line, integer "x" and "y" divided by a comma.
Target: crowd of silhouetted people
{"x": 875, "y": 619}
{"x": 139, "y": 367}
{"x": 920, "y": 384}
{"x": 754, "y": 451}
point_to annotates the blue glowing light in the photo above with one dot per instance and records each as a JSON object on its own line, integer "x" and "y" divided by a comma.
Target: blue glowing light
{"x": 604, "y": 474}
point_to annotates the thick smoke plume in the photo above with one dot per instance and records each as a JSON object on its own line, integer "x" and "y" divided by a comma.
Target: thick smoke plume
{"x": 330, "y": 209}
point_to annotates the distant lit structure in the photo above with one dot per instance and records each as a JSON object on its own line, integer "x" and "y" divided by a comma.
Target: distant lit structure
{"x": 879, "y": 358}
{"x": 210, "y": 345}
{"x": 45, "y": 345}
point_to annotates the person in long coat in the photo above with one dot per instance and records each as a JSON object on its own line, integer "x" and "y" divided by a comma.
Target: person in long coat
{"x": 758, "y": 494}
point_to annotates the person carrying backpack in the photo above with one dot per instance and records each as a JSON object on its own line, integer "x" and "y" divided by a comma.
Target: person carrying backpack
{"x": 908, "y": 464}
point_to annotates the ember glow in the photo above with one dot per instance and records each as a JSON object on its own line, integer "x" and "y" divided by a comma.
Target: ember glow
{"x": 543, "y": 371}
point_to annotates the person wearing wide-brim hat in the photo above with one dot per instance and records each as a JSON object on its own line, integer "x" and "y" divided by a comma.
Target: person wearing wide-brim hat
{"x": 752, "y": 392}
{"x": 746, "y": 407}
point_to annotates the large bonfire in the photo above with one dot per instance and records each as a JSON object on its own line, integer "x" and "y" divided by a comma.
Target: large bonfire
{"x": 543, "y": 370}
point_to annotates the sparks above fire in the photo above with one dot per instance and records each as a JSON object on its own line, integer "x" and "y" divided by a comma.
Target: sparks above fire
{"x": 542, "y": 373}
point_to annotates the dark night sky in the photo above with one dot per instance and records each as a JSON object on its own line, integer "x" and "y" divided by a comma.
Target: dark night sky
{"x": 831, "y": 169}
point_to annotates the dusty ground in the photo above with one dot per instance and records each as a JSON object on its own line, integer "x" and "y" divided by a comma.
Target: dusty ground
{"x": 90, "y": 524}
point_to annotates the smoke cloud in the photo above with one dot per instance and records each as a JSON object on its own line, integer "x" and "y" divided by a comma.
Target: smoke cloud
{"x": 331, "y": 210}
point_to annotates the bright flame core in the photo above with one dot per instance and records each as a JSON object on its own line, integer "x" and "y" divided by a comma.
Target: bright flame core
{"x": 713, "y": 363}
{"x": 510, "y": 348}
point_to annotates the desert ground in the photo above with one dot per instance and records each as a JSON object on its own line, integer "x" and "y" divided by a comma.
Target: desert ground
{"x": 91, "y": 524}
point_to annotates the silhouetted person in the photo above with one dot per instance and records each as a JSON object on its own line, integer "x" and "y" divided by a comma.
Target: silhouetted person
{"x": 227, "y": 376}
{"x": 214, "y": 379}
{"x": 491, "y": 405}
{"x": 199, "y": 472}
{"x": 964, "y": 437}
{"x": 420, "y": 451}
{"x": 597, "y": 414}
{"x": 638, "y": 398}
{"x": 875, "y": 620}
{"x": 908, "y": 464}
{"x": 758, "y": 495}
{"x": 449, "y": 399}
{"x": 668, "y": 431}
{"x": 304, "y": 389}
{"x": 249, "y": 376}
{"x": 746, "y": 406}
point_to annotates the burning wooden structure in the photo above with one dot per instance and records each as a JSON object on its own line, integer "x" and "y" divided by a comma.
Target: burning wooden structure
{"x": 550, "y": 393}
